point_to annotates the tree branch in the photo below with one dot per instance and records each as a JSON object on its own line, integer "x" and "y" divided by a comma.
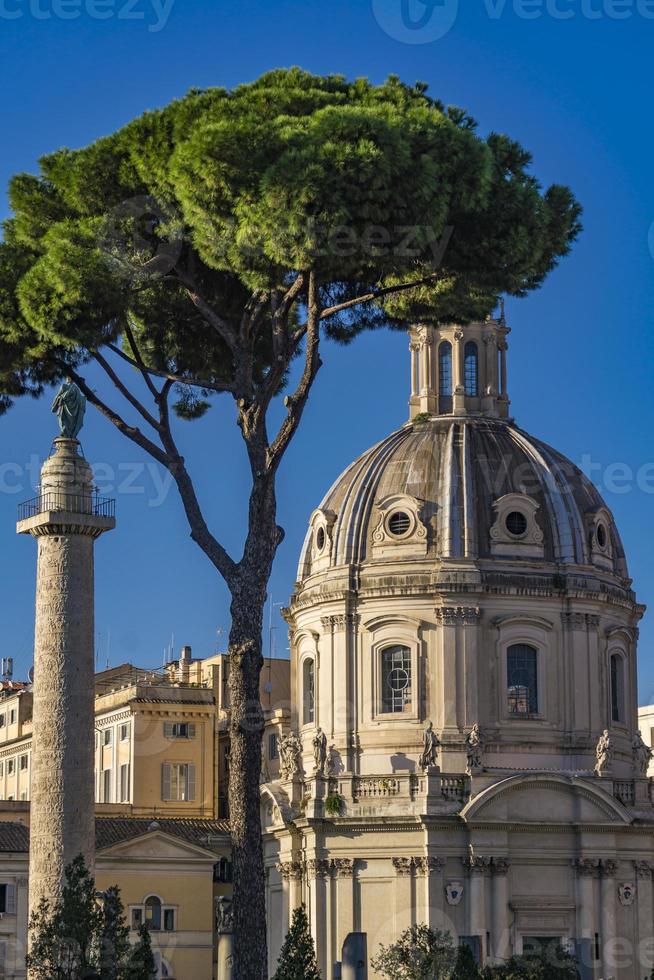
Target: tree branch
{"x": 377, "y": 294}
{"x": 124, "y": 390}
{"x": 296, "y": 402}
{"x": 222, "y": 327}
{"x": 139, "y": 360}
{"x": 200, "y": 533}
{"x": 127, "y": 430}
{"x": 174, "y": 378}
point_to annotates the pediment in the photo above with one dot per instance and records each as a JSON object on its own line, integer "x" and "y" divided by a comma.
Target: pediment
{"x": 156, "y": 845}
{"x": 545, "y": 798}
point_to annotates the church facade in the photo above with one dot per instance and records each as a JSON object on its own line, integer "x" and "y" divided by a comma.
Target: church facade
{"x": 464, "y": 748}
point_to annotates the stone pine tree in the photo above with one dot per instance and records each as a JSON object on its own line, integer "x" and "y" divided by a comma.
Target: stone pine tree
{"x": 208, "y": 249}
{"x": 297, "y": 959}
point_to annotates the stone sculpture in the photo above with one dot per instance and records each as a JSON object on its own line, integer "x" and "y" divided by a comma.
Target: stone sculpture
{"x": 319, "y": 752}
{"x": 475, "y": 749}
{"x": 430, "y": 748}
{"x": 290, "y": 755}
{"x": 69, "y": 406}
{"x": 604, "y": 754}
{"x": 642, "y": 754}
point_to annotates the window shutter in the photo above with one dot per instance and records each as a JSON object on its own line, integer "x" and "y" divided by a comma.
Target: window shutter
{"x": 190, "y": 782}
{"x": 168, "y": 729}
{"x": 3, "y": 960}
{"x": 165, "y": 781}
{"x": 10, "y": 900}
{"x": 191, "y": 730}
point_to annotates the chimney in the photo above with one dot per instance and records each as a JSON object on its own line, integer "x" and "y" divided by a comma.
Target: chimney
{"x": 185, "y": 665}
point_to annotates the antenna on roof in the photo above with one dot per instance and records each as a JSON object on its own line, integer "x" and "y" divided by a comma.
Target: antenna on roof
{"x": 108, "y": 647}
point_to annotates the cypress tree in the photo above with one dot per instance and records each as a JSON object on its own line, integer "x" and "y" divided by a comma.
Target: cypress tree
{"x": 297, "y": 960}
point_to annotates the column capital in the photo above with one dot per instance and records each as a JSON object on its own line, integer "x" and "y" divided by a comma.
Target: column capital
{"x": 500, "y": 865}
{"x": 290, "y": 870}
{"x": 608, "y": 868}
{"x": 477, "y": 864}
{"x": 318, "y": 867}
{"x": 643, "y": 869}
{"x": 455, "y": 615}
{"x": 343, "y": 867}
{"x": 586, "y": 867}
{"x": 340, "y": 622}
{"x": 403, "y": 866}
{"x": 426, "y": 866}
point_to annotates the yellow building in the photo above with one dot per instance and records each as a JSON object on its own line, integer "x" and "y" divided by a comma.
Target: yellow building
{"x": 165, "y": 871}
{"x": 161, "y": 772}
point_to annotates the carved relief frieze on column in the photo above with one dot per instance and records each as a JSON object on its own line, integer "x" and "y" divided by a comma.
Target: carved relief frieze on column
{"x": 428, "y": 865}
{"x": 318, "y": 868}
{"x": 403, "y": 867}
{"x": 343, "y": 867}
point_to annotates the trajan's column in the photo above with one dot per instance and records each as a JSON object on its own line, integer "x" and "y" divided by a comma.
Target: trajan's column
{"x": 65, "y": 519}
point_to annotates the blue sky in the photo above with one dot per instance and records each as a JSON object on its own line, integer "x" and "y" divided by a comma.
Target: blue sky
{"x": 570, "y": 79}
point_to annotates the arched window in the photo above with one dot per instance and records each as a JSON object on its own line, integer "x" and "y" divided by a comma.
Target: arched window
{"x": 445, "y": 369}
{"x": 617, "y": 688}
{"x": 471, "y": 368}
{"x": 396, "y": 679}
{"x": 308, "y": 692}
{"x": 522, "y": 679}
{"x": 153, "y": 912}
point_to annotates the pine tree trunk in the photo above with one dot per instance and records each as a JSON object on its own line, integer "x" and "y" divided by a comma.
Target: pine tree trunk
{"x": 246, "y": 733}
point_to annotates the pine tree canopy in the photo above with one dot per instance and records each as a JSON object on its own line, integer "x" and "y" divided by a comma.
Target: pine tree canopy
{"x": 176, "y": 225}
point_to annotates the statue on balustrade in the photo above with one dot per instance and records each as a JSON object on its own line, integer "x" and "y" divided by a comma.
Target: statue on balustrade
{"x": 604, "y": 754}
{"x": 290, "y": 756}
{"x": 319, "y": 752}
{"x": 430, "y": 747}
{"x": 642, "y": 754}
{"x": 475, "y": 744}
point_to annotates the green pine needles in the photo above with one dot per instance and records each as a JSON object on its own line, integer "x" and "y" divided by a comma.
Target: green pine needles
{"x": 297, "y": 960}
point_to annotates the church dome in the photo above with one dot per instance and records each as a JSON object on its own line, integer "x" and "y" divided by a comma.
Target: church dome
{"x": 468, "y": 486}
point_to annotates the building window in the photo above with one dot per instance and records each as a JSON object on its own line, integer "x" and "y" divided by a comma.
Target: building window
{"x": 124, "y": 732}
{"x": 308, "y": 691}
{"x": 617, "y": 688}
{"x": 272, "y": 746}
{"x": 11, "y": 765}
{"x": 471, "y": 368}
{"x": 223, "y": 872}
{"x": 2, "y": 721}
{"x": 178, "y": 780}
{"x": 396, "y": 679}
{"x": 179, "y": 729}
{"x": 106, "y": 739}
{"x": 445, "y": 369}
{"x": 106, "y": 786}
{"x": 7, "y": 900}
{"x": 124, "y": 783}
{"x": 169, "y": 920}
{"x": 522, "y": 679}
{"x": 23, "y": 763}
{"x": 137, "y": 919}
{"x": 2, "y": 767}
{"x": 153, "y": 912}
{"x": 12, "y": 716}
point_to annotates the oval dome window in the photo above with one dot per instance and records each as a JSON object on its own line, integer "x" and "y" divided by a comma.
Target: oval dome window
{"x": 516, "y": 523}
{"x": 399, "y": 523}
